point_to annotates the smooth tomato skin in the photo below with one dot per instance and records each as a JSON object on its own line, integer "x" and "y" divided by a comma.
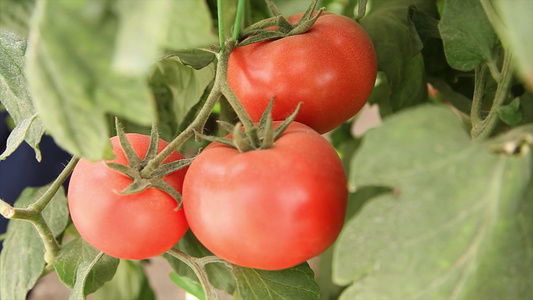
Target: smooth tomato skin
{"x": 331, "y": 69}
{"x": 132, "y": 226}
{"x": 267, "y": 209}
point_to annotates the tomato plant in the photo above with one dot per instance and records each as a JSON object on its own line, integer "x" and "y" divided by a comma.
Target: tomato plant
{"x": 128, "y": 226}
{"x": 438, "y": 193}
{"x": 267, "y": 209}
{"x": 331, "y": 69}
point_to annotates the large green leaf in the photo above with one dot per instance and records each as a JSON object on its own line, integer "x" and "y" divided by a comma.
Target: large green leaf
{"x": 387, "y": 25}
{"x": 293, "y": 283}
{"x": 83, "y": 268}
{"x": 190, "y": 26}
{"x": 15, "y": 96}
{"x": 178, "y": 88}
{"x": 516, "y": 33}
{"x": 457, "y": 223}
{"x": 22, "y": 257}
{"x": 467, "y": 35}
{"x": 130, "y": 282}
{"x": 72, "y": 77}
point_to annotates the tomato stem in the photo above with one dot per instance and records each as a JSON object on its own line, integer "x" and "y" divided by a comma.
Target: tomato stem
{"x": 198, "y": 266}
{"x": 238, "y": 20}
{"x": 221, "y": 37}
{"x": 482, "y": 129}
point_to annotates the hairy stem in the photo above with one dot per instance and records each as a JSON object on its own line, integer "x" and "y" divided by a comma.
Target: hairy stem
{"x": 479, "y": 91}
{"x": 41, "y": 203}
{"x": 484, "y": 129}
{"x": 221, "y": 37}
{"x": 198, "y": 267}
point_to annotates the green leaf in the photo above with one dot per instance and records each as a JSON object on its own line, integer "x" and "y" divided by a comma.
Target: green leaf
{"x": 178, "y": 89}
{"x": 404, "y": 73}
{"x": 190, "y": 26}
{"x": 516, "y": 34}
{"x": 293, "y": 283}
{"x": 130, "y": 282}
{"x": 197, "y": 59}
{"x": 421, "y": 27}
{"x": 510, "y": 114}
{"x": 15, "y": 15}
{"x": 22, "y": 256}
{"x": 219, "y": 274}
{"x": 190, "y": 286}
{"x": 16, "y": 137}
{"x": 456, "y": 223}
{"x": 80, "y": 267}
{"x": 467, "y": 35}
{"x": 72, "y": 78}
{"x": 14, "y": 93}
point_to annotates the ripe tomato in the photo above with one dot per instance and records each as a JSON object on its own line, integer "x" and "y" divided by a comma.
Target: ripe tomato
{"x": 331, "y": 69}
{"x": 128, "y": 226}
{"x": 267, "y": 209}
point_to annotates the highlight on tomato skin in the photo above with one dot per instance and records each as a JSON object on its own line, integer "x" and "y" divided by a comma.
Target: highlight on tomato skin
{"x": 126, "y": 226}
{"x": 267, "y": 209}
{"x": 331, "y": 69}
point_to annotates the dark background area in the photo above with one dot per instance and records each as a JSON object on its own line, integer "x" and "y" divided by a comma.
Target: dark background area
{"x": 21, "y": 169}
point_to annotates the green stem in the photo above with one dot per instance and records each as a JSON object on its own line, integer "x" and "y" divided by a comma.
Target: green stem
{"x": 220, "y": 86}
{"x": 36, "y": 219}
{"x": 479, "y": 91}
{"x": 221, "y": 37}
{"x": 41, "y": 203}
{"x": 199, "y": 270}
{"x": 485, "y": 128}
{"x": 238, "y": 20}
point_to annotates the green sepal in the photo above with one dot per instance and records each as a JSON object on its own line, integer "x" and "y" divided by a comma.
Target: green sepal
{"x": 267, "y": 114}
{"x": 167, "y": 188}
{"x": 172, "y": 167}
{"x": 268, "y": 135}
{"x": 133, "y": 170}
{"x": 224, "y": 141}
{"x": 306, "y": 24}
{"x": 241, "y": 140}
{"x": 126, "y": 170}
{"x": 133, "y": 159}
{"x": 154, "y": 143}
{"x": 257, "y": 32}
{"x": 226, "y": 125}
{"x": 265, "y": 35}
{"x": 137, "y": 186}
{"x": 281, "y": 128}
{"x": 273, "y": 8}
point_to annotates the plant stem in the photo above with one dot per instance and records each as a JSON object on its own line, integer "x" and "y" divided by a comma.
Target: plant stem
{"x": 479, "y": 91}
{"x": 220, "y": 86}
{"x": 41, "y": 203}
{"x": 238, "y": 20}
{"x": 484, "y": 129}
{"x": 199, "y": 270}
{"x": 36, "y": 219}
{"x": 221, "y": 37}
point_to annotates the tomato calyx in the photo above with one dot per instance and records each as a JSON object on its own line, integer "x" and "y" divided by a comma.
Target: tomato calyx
{"x": 259, "y": 31}
{"x": 136, "y": 165}
{"x": 259, "y": 137}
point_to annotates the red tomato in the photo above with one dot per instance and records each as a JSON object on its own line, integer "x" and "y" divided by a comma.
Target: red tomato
{"x": 331, "y": 69}
{"x": 267, "y": 209}
{"x": 132, "y": 226}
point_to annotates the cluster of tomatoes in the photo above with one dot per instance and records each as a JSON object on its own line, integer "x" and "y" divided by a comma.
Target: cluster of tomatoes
{"x": 267, "y": 209}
